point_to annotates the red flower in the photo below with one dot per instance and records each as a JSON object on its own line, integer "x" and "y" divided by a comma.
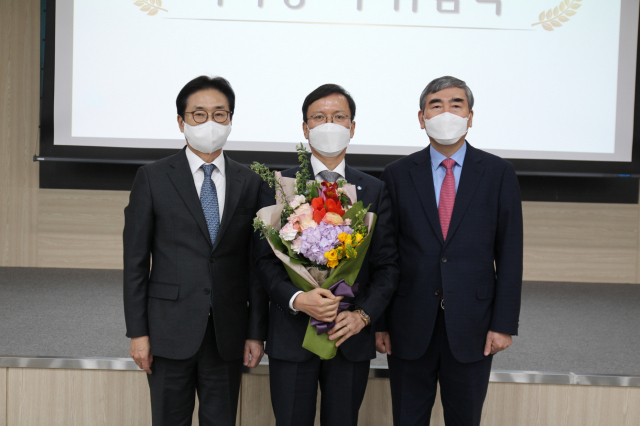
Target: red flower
{"x": 330, "y": 190}
{"x": 318, "y": 215}
{"x": 334, "y": 207}
{"x": 317, "y": 203}
{"x": 318, "y": 209}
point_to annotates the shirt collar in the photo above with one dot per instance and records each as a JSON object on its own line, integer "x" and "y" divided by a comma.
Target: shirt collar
{"x": 318, "y": 166}
{"x": 437, "y": 158}
{"x": 196, "y": 162}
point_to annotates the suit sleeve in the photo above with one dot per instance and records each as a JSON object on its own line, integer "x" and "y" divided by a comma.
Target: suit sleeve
{"x": 508, "y": 256}
{"x": 137, "y": 244}
{"x": 383, "y": 262}
{"x": 258, "y": 300}
{"x": 380, "y": 325}
{"x": 269, "y": 268}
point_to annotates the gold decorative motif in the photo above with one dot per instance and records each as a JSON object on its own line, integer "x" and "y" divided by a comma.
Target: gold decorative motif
{"x": 150, "y": 6}
{"x": 554, "y": 17}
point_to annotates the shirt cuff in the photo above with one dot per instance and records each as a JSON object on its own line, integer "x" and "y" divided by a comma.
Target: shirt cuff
{"x": 292, "y": 299}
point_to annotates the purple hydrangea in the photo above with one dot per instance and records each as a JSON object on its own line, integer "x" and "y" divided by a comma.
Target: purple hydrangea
{"x": 319, "y": 240}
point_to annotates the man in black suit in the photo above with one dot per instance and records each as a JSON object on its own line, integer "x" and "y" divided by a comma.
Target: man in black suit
{"x": 198, "y": 311}
{"x": 327, "y": 114}
{"x": 458, "y": 217}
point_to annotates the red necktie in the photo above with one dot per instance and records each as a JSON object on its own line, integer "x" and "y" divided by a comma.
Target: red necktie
{"x": 447, "y": 196}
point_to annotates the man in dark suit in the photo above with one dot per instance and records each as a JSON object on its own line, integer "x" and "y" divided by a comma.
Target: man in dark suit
{"x": 198, "y": 311}
{"x": 328, "y": 114}
{"x": 458, "y": 217}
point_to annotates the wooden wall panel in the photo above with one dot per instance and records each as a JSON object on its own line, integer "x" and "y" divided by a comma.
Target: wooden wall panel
{"x": 77, "y": 397}
{"x": 81, "y": 229}
{"x": 3, "y": 397}
{"x": 540, "y": 405}
{"x": 563, "y": 241}
{"x": 581, "y": 242}
{"x": 19, "y": 112}
{"x": 93, "y": 397}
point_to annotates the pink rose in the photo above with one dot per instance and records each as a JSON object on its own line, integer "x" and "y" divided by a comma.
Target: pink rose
{"x": 347, "y": 222}
{"x": 297, "y": 243}
{"x": 333, "y": 219}
{"x": 288, "y": 232}
{"x": 304, "y": 214}
{"x": 297, "y": 201}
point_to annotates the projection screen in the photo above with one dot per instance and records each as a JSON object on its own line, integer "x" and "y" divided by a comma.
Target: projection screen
{"x": 552, "y": 79}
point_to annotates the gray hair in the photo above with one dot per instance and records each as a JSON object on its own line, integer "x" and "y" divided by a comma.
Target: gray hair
{"x": 444, "y": 83}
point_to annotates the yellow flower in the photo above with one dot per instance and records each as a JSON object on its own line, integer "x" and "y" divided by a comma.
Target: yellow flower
{"x": 359, "y": 237}
{"x": 331, "y": 255}
{"x": 348, "y": 239}
{"x": 332, "y": 263}
{"x": 342, "y": 237}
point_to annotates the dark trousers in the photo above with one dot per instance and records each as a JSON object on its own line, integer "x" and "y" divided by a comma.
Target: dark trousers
{"x": 463, "y": 386}
{"x": 294, "y": 390}
{"x": 174, "y": 383}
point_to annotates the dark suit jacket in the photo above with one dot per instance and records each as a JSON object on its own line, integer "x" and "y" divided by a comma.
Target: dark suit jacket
{"x": 377, "y": 279}
{"x": 479, "y": 266}
{"x": 169, "y": 300}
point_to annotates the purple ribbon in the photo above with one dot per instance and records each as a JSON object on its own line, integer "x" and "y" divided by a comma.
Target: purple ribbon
{"x": 341, "y": 288}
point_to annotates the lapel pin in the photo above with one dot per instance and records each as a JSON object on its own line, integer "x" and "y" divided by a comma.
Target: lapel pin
{"x": 359, "y": 188}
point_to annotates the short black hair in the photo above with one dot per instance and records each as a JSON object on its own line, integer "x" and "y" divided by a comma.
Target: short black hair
{"x": 205, "y": 83}
{"x": 324, "y": 91}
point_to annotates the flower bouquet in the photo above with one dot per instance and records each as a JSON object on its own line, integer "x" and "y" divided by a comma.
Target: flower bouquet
{"x": 321, "y": 233}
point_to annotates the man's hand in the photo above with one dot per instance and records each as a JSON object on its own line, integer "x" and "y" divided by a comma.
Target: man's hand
{"x": 496, "y": 342}
{"x": 140, "y": 351}
{"x": 383, "y": 342}
{"x": 347, "y": 324}
{"x": 253, "y": 352}
{"x": 318, "y": 303}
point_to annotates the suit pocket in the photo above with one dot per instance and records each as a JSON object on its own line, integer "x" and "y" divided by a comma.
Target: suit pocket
{"x": 164, "y": 291}
{"x": 486, "y": 291}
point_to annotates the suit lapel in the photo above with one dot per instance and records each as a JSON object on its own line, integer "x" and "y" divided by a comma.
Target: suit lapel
{"x": 182, "y": 179}
{"x": 234, "y": 186}
{"x": 355, "y": 179}
{"x": 471, "y": 174}
{"x": 423, "y": 181}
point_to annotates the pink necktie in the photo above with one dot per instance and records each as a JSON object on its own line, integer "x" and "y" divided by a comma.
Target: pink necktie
{"x": 447, "y": 196}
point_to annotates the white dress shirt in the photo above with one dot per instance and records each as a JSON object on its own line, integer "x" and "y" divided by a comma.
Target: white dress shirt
{"x": 217, "y": 176}
{"x": 318, "y": 166}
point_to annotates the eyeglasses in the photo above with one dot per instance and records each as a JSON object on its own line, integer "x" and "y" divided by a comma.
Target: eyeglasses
{"x": 336, "y": 118}
{"x": 219, "y": 116}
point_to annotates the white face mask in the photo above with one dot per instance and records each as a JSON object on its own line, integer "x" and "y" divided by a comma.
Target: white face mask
{"x": 446, "y": 128}
{"x": 329, "y": 139}
{"x": 207, "y": 137}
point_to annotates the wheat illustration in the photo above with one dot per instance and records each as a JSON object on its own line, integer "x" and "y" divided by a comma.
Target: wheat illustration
{"x": 150, "y": 6}
{"x": 554, "y": 17}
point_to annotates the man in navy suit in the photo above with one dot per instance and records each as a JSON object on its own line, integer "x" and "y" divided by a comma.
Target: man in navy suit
{"x": 295, "y": 373}
{"x": 458, "y": 218}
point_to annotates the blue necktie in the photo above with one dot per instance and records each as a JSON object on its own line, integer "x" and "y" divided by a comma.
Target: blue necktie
{"x": 209, "y": 201}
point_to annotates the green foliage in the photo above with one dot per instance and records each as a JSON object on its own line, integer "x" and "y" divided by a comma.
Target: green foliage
{"x": 277, "y": 242}
{"x": 304, "y": 175}
{"x": 266, "y": 231}
{"x": 357, "y": 213}
{"x": 269, "y": 177}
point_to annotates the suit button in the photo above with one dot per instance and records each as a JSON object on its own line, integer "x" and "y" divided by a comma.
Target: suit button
{"x": 445, "y": 260}
{"x": 207, "y": 291}
{"x": 213, "y": 260}
{"x": 437, "y": 293}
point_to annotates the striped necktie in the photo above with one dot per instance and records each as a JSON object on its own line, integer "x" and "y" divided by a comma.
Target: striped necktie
{"x": 447, "y": 196}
